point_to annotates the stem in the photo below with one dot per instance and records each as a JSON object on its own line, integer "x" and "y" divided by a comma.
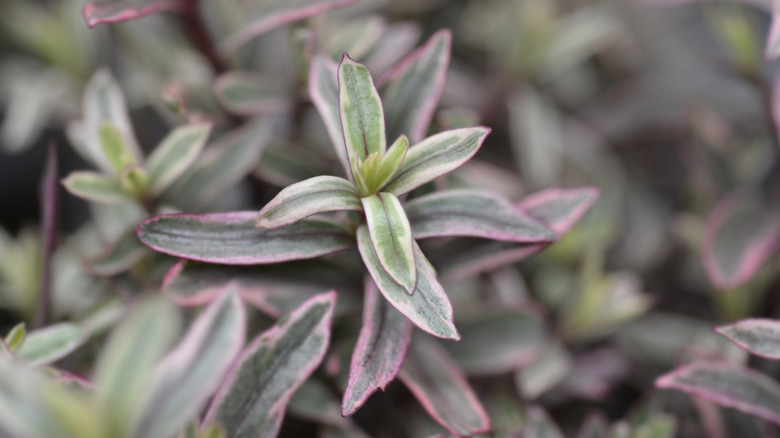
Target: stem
{"x": 49, "y": 209}
{"x": 196, "y": 30}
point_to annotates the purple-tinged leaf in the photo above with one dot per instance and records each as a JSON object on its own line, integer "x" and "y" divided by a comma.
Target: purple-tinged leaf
{"x": 119, "y": 256}
{"x": 360, "y": 109}
{"x": 772, "y": 49}
{"x": 435, "y": 156}
{"x": 232, "y": 239}
{"x": 467, "y": 258}
{"x": 391, "y": 237}
{"x": 727, "y": 385}
{"x": 380, "y": 350}
{"x": 94, "y": 186}
{"x": 314, "y": 195}
{"x": 51, "y": 343}
{"x": 440, "y": 386}
{"x": 123, "y": 10}
{"x": 475, "y": 214}
{"x": 428, "y": 307}
{"x": 539, "y": 425}
{"x": 324, "y": 93}
{"x": 220, "y": 167}
{"x": 559, "y": 209}
{"x": 250, "y": 94}
{"x": 49, "y": 209}
{"x": 397, "y": 40}
{"x": 190, "y": 374}
{"x": 740, "y": 235}
{"x": 255, "y": 393}
{"x": 412, "y": 89}
{"x": 271, "y": 14}
{"x": 496, "y": 342}
{"x": 175, "y": 154}
{"x": 756, "y": 335}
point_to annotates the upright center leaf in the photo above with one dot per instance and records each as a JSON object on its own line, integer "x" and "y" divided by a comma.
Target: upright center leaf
{"x": 391, "y": 236}
{"x": 362, "y": 117}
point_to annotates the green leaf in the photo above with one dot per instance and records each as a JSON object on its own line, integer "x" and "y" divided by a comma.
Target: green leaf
{"x": 388, "y": 165}
{"x": 52, "y": 343}
{"x": 15, "y": 338}
{"x": 757, "y": 335}
{"x": 362, "y": 118}
{"x": 253, "y": 397}
{"x": 119, "y": 256}
{"x": 134, "y": 181}
{"x": 115, "y": 148}
{"x": 324, "y": 93}
{"x": 549, "y": 368}
{"x": 314, "y": 195}
{"x": 233, "y": 239}
{"x": 435, "y": 156}
{"x": 189, "y": 375}
{"x": 391, "y": 237}
{"x": 539, "y": 425}
{"x": 95, "y": 187}
{"x": 250, "y": 94}
{"x": 175, "y": 154}
{"x": 126, "y": 363}
{"x": 428, "y": 307}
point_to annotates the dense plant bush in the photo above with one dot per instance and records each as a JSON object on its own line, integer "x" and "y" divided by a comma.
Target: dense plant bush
{"x": 350, "y": 218}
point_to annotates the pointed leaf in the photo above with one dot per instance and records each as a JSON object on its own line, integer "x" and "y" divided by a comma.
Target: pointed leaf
{"x": 741, "y": 234}
{"x": 414, "y": 86}
{"x": 119, "y": 256}
{"x": 175, "y": 154}
{"x": 362, "y": 117}
{"x": 559, "y": 209}
{"x": 473, "y": 213}
{"x": 314, "y": 195}
{"x": 436, "y": 156}
{"x": 250, "y": 94}
{"x": 428, "y": 306}
{"x": 390, "y": 163}
{"x": 220, "y": 167}
{"x": 380, "y": 350}
{"x": 254, "y": 395}
{"x": 95, "y": 187}
{"x": 324, "y": 93}
{"x": 115, "y": 148}
{"x": 536, "y": 129}
{"x": 232, "y": 239}
{"x": 52, "y": 343}
{"x": 15, "y": 338}
{"x": 727, "y": 385}
{"x": 189, "y": 375}
{"x": 391, "y": 237}
{"x": 440, "y": 386}
{"x": 756, "y": 335}
{"x": 123, "y": 10}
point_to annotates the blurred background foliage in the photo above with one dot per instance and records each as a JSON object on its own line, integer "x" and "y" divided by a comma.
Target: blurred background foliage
{"x": 667, "y": 107}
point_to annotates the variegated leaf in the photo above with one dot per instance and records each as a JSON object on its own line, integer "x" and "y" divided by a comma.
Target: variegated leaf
{"x": 314, "y": 195}
{"x": 119, "y": 256}
{"x": 123, "y": 10}
{"x": 95, "y": 187}
{"x": 52, "y": 343}
{"x": 756, "y": 335}
{"x": 175, "y": 154}
{"x": 391, "y": 237}
{"x": 559, "y": 209}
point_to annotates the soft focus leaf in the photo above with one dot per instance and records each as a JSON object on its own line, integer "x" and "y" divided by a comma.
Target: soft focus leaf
{"x": 548, "y": 369}
{"x": 232, "y": 239}
{"x": 362, "y": 117}
{"x": 15, "y": 338}
{"x": 440, "y": 386}
{"x": 391, "y": 237}
{"x": 189, "y": 375}
{"x": 414, "y": 86}
{"x": 727, "y": 385}
{"x": 314, "y": 195}
{"x": 536, "y": 137}
{"x": 94, "y": 186}
{"x": 324, "y": 93}
{"x": 428, "y": 306}
{"x": 473, "y": 213}
{"x": 756, "y": 335}
{"x": 315, "y": 401}
{"x": 115, "y": 148}
{"x": 52, "y": 343}
{"x": 175, "y": 154}
{"x": 250, "y": 94}
{"x": 559, "y": 209}
{"x": 539, "y": 425}
{"x": 253, "y": 397}
{"x": 119, "y": 256}
{"x": 122, "y": 10}
{"x": 594, "y": 426}
{"x": 741, "y": 234}
{"x": 436, "y": 156}
{"x": 380, "y": 350}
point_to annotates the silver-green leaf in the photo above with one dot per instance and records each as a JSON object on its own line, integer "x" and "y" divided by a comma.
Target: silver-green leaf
{"x": 314, "y": 195}
{"x": 95, "y": 187}
{"x": 175, "y": 154}
{"x": 391, "y": 237}
{"x": 52, "y": 343}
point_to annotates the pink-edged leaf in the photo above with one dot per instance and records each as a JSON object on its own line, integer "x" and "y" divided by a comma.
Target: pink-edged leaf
{"x": 396, "y": 42}
{"x": 428, "y": 306}
{"x": 727, "y": 385}
{"x": 306, "y": 198}
{"x": 324, "y": 93}
{"x": 559, "y": 209}
{"x": 232, "y": 239}
{"x": 740, "y": 235}
{"x": 440, "y": 386}
{"x": 497, "y": 342}
{"x": 473, "y": 213}
{"x": 123, "y": 10}
{"x": 250, "y": 94}
{"x": 118, "y": 256}
{"x": 255, "y": 393}
{"x": 756, "y": 335}
{"x": 391, "y": 237}
{"x": 464, "y": 259}
{"x": 49, "y": 209}
{"x": 539, "y": 425}
{"x": 270, "y": 14}
{"x": 412, "y": 89}
{"x": 380, "y": 350}
{"x": 190, "y": 374}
